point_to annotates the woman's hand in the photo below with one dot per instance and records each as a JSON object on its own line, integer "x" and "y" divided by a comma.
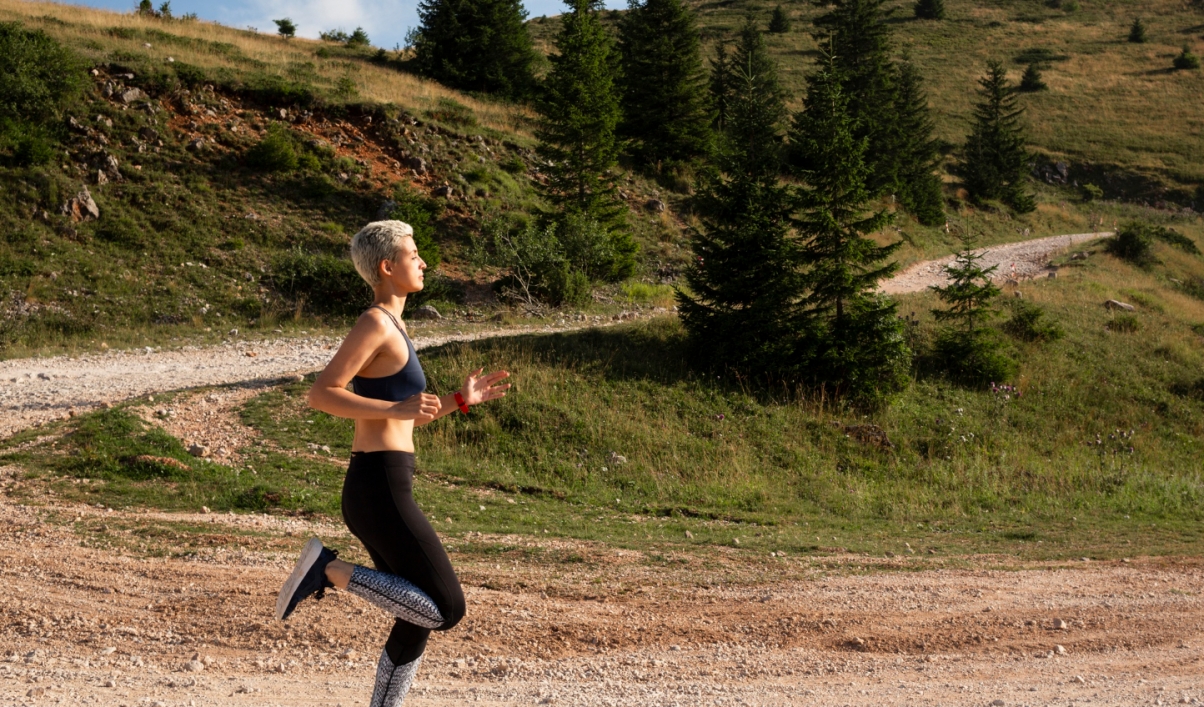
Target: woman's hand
{"x": 420, "y": 408}
{"x": 477, "y": 388}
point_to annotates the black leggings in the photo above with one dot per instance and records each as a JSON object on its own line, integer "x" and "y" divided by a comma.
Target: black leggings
{"x": 379, "y": 509}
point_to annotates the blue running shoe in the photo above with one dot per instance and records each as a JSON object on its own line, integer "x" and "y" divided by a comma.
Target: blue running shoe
{"x": 308, "y": 577}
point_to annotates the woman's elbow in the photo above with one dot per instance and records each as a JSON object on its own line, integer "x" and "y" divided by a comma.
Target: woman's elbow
{"x": 314, "y": 397}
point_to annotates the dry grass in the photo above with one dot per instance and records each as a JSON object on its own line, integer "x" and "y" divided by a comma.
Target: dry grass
{"x": 89, "y": 31}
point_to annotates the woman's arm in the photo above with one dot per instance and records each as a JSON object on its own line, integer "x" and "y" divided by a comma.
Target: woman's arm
{"x": 330, "y": 395}
{"x": 476, "y": 390}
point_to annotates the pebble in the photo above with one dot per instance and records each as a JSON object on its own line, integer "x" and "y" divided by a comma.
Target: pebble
{"x": 108, "y": 651}
{"x": 1060, "y": 625}
{"x": 1060, "y": 650}
{"x": 195, "y": 666}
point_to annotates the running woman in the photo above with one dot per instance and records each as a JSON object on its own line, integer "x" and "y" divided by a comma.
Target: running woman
{"x": 413, "y": 580}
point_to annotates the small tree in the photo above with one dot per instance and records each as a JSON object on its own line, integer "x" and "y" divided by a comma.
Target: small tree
{"x": 720, "y": 86}
{"x": 358, "y": 38}
{"x": 165, "y": 10}
{"x": 477, "y": 45}
{"x": 1186, "y": 60}
{"x": 1031, "y": 80}
{"x": 662, "y": 84}
{"x": 1137, "y": 31}
{"x": 918, "y": 187}
{"x": 146, "y": 8}
{"x": 995, "y": 163}
{"x": 779, "y": 22}
{"x": 930, "y": 9}
{"x": 285, "y": 28}
{"x": 966, "y": 348}
{"x": 854, "y": 341}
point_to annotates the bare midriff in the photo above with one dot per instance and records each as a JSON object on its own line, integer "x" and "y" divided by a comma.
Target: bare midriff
{"x": 383, "y": 435}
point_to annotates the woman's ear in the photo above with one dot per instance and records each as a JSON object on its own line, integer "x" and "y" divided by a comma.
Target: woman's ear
{"x": 386, "y": 268}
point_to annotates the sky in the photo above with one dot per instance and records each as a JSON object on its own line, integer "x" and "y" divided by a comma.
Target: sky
{"x": 386, "y": 21}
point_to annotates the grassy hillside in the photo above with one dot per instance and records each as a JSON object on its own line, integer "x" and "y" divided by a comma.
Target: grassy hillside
{"x": 200, "y": 233}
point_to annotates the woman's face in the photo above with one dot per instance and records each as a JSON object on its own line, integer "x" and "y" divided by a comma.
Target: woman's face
{"x": 405, "y": 269}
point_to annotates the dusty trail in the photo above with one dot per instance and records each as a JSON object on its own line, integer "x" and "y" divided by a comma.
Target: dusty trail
{"x": 84, "y": 625}
{"x": 1020, "y": 261}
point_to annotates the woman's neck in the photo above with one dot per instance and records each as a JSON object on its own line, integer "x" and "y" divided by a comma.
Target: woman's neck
{"x": 395, "y": 303}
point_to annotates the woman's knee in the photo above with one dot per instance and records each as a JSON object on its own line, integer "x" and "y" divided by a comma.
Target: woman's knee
{"x": 453, "y": 611}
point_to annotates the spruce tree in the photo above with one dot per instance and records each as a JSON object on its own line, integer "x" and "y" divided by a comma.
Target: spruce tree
{"x": 966, "y": 349}
{"x": 1186, "y": 60}
{"x": 995, "y": 163}
{"x": 1137, "y": 31}
{"x": 1031, "y": 81}
{"x": 779, "y": 22}
{"x": 854, "y": 340}
{"x": 745, "y": 287}
{"x": 720, "y": 86}
{"x": 856, "y": 35}
{"x": 929, "y": 9}
{"x": 577, "y": 138}
{"x": 663, "y": 86}
{"x": 919, "y": 188}
{"x": 476, "y": 45}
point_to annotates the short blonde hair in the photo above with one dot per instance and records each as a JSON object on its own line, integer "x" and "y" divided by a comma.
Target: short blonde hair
{"x": 379, "y": 240}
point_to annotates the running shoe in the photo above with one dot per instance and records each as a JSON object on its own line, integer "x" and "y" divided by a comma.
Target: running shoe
{"x": 308, "y": 577}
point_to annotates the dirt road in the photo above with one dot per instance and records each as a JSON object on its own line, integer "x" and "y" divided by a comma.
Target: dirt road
{"x": 82, "y": 624}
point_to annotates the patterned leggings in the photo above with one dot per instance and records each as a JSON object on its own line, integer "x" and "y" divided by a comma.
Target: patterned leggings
{"x": 414, "y": 580}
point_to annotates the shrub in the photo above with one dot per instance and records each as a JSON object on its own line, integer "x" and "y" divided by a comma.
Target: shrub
{"x": 358, "y": 38}
{"x": 1175, "y": 239}
{"x": 538, "y": 269}
{"x": 1124, "y": 323}
{"x": 334, "y": 35}
{"x": 779, "y": 22}
{"x": 276, "y": 152}
{"x": 1028, "y": 323}
{"x": 1092, "y": 192}
{"x": 38, "y": 76}
{"x": 1031, "y": 81}
{"x": 420, "y": 212}
{"x": 452, "y": 112}
{"x": 1137, "y": 31}
{"x": 929, "y": 9}
{"x": 514, "y": 165}
{"x": 975, "y": 360}
{"x": 30, "y": 144}
{"x": 320, "y": 283}
{"x": 1186, "y": 60}
{"x": 1132, "y": 243}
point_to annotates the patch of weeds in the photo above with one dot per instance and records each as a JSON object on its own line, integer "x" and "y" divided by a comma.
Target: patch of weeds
{"x": 1124, "y": 323}
{"x": 1029, "y": 323}
{"x": 319, "y": 282}
{"x": 452, "y": 112}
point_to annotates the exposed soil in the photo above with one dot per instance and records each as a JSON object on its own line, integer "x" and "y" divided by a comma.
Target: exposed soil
{"x": 82, "y": 623}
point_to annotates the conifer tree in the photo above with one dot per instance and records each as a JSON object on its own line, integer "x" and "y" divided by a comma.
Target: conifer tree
{"x": 930, "y": 9}
{"x": 1186, "y": 60}
{"x": 1031, "y": 81}
{"x": 995, "y": 163}
{"x": 1137, "y": 31}
{"x": 919, "y": 187}
{"x": 779, "y": 22}
{"x": 720, "y": 86}
{"x": 577, "y": 138}
{"x": 854, "y": 343}
{"x": 966, "y": 348}
{"x": 663, "y": 87}
{"x": 476, "y": 45}
{"x": 745, "y": 284}
{"x": 286, "y": 28}
{"x": 857, "y": 37}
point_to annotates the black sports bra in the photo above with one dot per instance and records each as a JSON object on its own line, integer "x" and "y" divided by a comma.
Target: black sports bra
{"x": 407, "y": 382}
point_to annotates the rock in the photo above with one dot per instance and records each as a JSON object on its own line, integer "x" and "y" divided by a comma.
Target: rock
{"x": 1114, "y": 304}
{"x": 130, "y": 95}
{"x": 1053, "y": 274}
{"x": 81, "y": 207}
{"x": 108, "y": 651}
{"x": 1018, "y": 294}
{"x": 1079, "y": 679}
{"x": 232, "y": 332}
{"x": 283, "y": 114}
{"x": 443, "y": 191}
{"x": 36, "y": 692}
{"x": 110, "y": 683}
{"x": 75, "y": 126}
{"x": 204, "y": 509}
{"x": 196, "y": 145}
{"x": 349, "y": 654}
{"x": 689, "y": 534}
{"x": 656, "y": 206}
{"x": 415, "y": 163}
{"x": 105, "y": 121}
{"x": 425, "y": 312}
{"x": 149, "y": 134}
{"x": 1060, "y": 625}
{"x": 385, "y": 210}
{"x": 199, "y": 450}
{"x": 616, "y": 458}
{"x": 1060, "y": 650}
{"x": 101, "y": 177}
{"x": 195, "y": 666}
{"x": 108, "y": 164}
{"x": 996, "y": 703}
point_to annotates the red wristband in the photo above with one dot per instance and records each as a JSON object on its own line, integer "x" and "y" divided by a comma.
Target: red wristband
{"x": 460, "y": 401}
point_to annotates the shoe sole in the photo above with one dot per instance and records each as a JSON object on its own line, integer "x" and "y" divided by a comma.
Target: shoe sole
{"x": 309, "y": 555}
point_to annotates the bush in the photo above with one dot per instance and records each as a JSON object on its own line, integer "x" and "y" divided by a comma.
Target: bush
{"x": 1175, "y": 239}
{"x": 358, "y": 38}
{"x": 1186, "y": 60}
{"x": 334, "y": 35}
{"x": 1124, "y": 323}
{"x": 38, "y": 76}
{"x": 1132, "y": 243}
{"x": 538, "y": 269}
{"x": 286, "y": 28}
{"x": 452, "y": 112}
{"x": 1028, "y": 323}
{"x": 420, "y": 212}
{"x": 276, "y": 152}
{"x": 30, "y": 144}
{"x": 320, "y": 283}
{"x": 1092, "y": 193}
{"x": 972, "y": 360}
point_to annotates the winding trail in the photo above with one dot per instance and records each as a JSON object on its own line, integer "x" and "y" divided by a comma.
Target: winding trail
{"x": 36, "y": 390}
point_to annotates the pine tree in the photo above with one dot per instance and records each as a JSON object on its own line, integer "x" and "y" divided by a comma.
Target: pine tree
{"x": 1137, "y": 31}
{"x": 854, "y": 344}
{"x": 995, "y": 164}
{"x": 1186, "y": 60}
{"x": 966, "y": 348}
{"x": 930, "y": 9}
{"x": 577, "y": 138}
{"x": 919, "y": 187}
{"x": 720, "y": 86}
{"x": 476, "y": 45}
{"x": 286, "y": 28}
{"x": 358, "y": 38}
{"x": 663, "y": 86}
{"x": 779, "y": 22}
{"x": 1031, "y": 80}
{"x": 858, "y": 38}
{"x": 741, "y": 313}
{"x": 146, "y": 8}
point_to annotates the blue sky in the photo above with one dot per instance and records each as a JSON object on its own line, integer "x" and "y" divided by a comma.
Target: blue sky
{"x": 385, "y": 21}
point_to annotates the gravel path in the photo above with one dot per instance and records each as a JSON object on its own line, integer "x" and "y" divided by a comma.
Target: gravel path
{"x": 1019, "y": 261}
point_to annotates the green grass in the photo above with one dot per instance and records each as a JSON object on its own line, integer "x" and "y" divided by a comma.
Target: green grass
{"x": 1097, "y": 455}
